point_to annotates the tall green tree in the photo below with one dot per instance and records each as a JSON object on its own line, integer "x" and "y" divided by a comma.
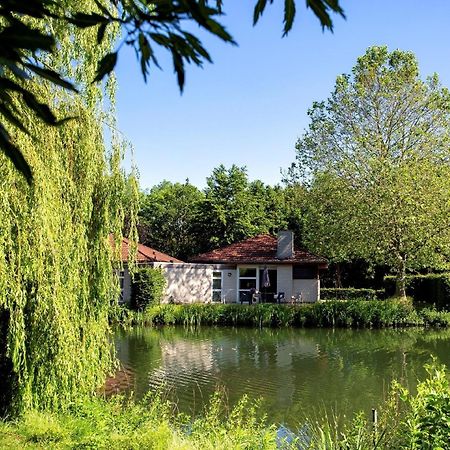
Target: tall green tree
{"x": 226, "y": 214}
{"x": 235, "y": 208}
{"x": 56, "y": 264}
{"x": 377, "y": 159}
{"x": 168, "y": 217}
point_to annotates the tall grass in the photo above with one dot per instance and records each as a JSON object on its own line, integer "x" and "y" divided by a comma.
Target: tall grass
{"x": 348, "y": 314}
{"x": 407, "y": 421}
{"x": 150, "y": 424}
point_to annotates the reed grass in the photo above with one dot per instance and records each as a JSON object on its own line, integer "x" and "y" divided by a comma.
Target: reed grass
{"x": 344, "y": 314}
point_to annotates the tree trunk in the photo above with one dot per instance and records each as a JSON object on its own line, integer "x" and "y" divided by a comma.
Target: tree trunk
{"x": 400, "y": 285}
{"x": 8, "y": 378}
{"x": 338, "y": 280}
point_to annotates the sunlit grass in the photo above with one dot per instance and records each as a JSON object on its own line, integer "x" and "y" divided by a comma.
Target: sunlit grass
{"x": 406, "y": 421}
{"x": 345, "y": 314}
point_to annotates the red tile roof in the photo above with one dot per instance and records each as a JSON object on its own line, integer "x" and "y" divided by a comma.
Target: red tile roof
{"x": 145, "y": 254}
{"x": 260, "y": 249}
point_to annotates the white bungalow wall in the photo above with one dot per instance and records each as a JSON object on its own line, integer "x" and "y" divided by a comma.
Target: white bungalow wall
{"x": 310, "y": 289}
{"x": 284, "y": 280}
{"x": 229, "y": 285}
{"x": 187, "y": 283}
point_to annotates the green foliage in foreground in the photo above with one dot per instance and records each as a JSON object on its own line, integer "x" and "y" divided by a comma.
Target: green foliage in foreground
{"x": 150, "y": 424}
{"x": 406, "y": 421}
{"x": 348, "y": 314}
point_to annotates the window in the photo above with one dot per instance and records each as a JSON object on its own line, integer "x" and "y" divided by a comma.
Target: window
{"x": 304, "y": 272}
{"x": 121, "y": 279}
{"x": 247, "y": 272}
{"x": 217, "y": 286}
{"x": 248, "y": 279}
{"x": 121, "y": 276}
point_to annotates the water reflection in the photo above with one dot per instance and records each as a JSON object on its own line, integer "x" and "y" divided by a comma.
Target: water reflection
{"x": 297, "y": 372}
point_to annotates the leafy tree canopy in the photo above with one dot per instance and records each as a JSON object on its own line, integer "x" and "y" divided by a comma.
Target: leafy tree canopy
{"x": 376, "y": 159}
{"x": 168, "y": 217}
{"x": 56, "y": 267}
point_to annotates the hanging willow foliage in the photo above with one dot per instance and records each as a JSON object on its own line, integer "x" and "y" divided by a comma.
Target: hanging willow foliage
{"x": 56, "y": 264}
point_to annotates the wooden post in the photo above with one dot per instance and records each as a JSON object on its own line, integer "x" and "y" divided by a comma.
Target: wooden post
{"x": 375, "y": 426}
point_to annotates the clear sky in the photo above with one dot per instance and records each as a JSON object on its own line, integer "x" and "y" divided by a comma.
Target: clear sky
{"x": 250, "y": 106}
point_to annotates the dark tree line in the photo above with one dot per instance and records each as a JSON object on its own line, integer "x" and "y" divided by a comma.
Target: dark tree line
{"x": 181, "y": 220}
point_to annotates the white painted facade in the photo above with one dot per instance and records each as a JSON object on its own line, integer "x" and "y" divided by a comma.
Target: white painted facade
{"x": 193, "y": 283}
{"x": 187, "y": 283}
{"x": 309, "y": 290}
{"x": 306, "y": 289}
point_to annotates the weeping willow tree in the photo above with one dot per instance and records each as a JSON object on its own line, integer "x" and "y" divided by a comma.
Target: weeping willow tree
{"x": 56, "y": 263}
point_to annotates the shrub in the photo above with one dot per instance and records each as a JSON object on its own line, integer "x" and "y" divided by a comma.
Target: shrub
{"x": 147, "y": 287}
{"x": 351, "y": 294}
{"x": 427, "y": 423}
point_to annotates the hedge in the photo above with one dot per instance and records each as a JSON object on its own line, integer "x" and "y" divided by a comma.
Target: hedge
{"x": 430, "y": 288}
{"x": 351, "y": 294}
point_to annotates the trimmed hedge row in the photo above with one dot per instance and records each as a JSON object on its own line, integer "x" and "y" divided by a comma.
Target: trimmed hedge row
{"x": 347, "y": 314}
{"x": 351, "y": 294}
{"x": 430, "y": 288}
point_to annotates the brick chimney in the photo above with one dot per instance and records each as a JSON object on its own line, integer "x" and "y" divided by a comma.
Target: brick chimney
{"x": 285, "y": 247}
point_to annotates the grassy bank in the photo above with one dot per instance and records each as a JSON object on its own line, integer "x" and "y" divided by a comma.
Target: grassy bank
{"x": 406, "y": 421}
{"x": 355, "y": 313}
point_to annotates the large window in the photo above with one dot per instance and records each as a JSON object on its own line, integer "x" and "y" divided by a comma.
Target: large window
{"x": 248, "y": 279}
{"x": 304, "y": 272}
{"x": 217, "y": 286}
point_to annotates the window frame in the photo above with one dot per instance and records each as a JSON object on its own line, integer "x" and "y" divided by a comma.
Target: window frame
{"x": 239, "y": 278}
{"x": 215, "y": 290}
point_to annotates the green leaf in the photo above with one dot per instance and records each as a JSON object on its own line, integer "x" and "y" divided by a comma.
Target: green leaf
{"x": 83, "y": 20}
{"x": 289, "y": 14}
{"x": 320, "y": 9}
{"x": 106, "y": 65}
{"x": 101, "y": 32}
{"x": 21, "y": 36}
{"x": 102, "y": 8}
{"x": 259, "y": 9}
{"x": 41, "y": 109}
{"x": 9, "y": 115}
{"x": 178, "y": 67}
{"x": 146, "y": 51}
{"x": 52, "y": 76}
{"x": 14, "y": 154}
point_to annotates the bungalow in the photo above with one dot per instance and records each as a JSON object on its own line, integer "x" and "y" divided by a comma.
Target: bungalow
{"x": 266, "y": 264}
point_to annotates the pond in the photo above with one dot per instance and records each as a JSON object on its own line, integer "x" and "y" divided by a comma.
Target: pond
{"x": 297, "y": 373}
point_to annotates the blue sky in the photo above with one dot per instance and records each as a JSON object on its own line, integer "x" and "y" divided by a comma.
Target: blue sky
{"x": 250, "y": 106}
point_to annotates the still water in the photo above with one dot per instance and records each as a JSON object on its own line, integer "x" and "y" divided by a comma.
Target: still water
{"x": 297, "y": 373}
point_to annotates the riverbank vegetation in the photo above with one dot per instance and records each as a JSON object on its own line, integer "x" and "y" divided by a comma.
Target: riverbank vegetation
{"x": 348, "y": 314}
{"x": 406, "y": 421}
